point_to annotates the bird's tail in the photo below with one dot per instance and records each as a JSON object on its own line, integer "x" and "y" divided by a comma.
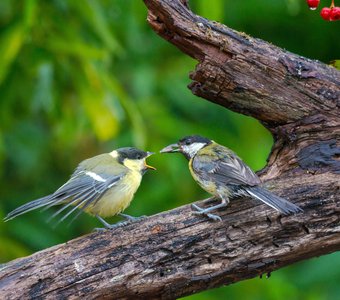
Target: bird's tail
{"x": 276, "y": 202}
{"x": 41, "y": 202}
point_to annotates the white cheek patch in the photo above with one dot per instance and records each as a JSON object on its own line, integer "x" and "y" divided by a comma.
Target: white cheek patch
{"x": 95, "y": 176}
{"x": 193, "y": 148}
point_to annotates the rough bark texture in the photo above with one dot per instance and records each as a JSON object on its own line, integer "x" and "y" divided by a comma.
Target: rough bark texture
{"x": 175, "y": 253}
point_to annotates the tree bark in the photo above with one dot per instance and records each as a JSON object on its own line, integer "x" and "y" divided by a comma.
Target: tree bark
{"x": 175, "y": 253}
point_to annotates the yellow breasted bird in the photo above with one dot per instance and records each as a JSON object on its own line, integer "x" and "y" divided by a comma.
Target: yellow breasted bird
{"x": 220, "y": 172}
{"x": 102, "y": 186}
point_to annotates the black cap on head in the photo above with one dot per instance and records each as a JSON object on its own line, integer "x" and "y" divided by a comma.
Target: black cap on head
{"x": 188, "y": 140}
{"x": 188, "y": 145}
{"x": 131, "y": 153}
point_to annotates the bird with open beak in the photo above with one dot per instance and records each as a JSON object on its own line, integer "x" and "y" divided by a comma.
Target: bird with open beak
{"x": 102, "y": 186}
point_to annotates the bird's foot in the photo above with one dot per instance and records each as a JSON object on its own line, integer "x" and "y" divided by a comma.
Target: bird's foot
{"x": 113, "y": 226}
{"x": 205, "y": 212}
{"x": 128, "y": 220}
{"x": 131, "y": 218}
{"x": 209, "y": 200}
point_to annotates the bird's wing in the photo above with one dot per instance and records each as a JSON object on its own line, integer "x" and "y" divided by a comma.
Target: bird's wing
{"x": 224, "y": 167}
{"x": 84, "y": 188}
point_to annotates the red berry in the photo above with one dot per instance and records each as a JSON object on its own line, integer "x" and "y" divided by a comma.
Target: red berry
{"x": 313, "y": 4}
{"x": 335, "y": 13}
{"x": 326, "y": 13}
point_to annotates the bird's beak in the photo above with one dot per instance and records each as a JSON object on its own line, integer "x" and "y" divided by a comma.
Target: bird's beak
{"x": 146, "y": 165}
{"x": 170, "y": 149}
{"x": 149, "y": 153}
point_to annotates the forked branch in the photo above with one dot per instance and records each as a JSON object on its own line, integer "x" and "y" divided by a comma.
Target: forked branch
{"x": 173, "y": 254}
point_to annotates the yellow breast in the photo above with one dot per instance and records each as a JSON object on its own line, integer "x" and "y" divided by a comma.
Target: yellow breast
{"x": 208, "y": 186}
{"x": 118, "y": 197}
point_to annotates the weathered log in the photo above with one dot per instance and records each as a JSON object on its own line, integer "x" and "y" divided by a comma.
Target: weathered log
{"x": 175, "y": 253}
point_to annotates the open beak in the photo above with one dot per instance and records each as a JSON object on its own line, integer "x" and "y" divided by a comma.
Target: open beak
{"x": 146, "y": 165}
{"x": 149, "y": 153}
{"x": 170, "y": 149}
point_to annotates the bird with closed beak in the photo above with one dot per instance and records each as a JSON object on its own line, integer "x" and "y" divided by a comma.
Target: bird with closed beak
{"x": 220, "y": 172}
{"x": 102, "y": 186}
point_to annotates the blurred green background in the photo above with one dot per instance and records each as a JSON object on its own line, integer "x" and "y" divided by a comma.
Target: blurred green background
{"x": 79, "y": 78}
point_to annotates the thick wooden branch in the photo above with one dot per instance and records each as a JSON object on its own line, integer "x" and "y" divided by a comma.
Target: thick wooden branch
{"x": 176, "y": 253}
{"x": 246, "y": 74}
{"x": 297, "y": 99}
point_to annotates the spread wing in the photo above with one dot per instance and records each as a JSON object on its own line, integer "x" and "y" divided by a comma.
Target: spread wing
{"x": 83, "y": 189}
{"x": 224, "y": 167}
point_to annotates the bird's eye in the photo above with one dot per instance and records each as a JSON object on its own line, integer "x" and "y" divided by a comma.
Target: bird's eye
{"x": 187, "y": 143}
{"x": 139, "y": 156}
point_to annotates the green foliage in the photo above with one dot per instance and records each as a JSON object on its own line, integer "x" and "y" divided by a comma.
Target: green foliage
{"x": 78, "y": 78}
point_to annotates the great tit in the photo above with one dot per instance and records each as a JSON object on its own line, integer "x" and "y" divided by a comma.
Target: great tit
{"x": 102, "y": 186}
{"x": 220, "y": 172}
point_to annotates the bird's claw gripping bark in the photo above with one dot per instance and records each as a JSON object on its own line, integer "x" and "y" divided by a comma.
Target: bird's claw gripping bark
{"x": 205, "y": 212}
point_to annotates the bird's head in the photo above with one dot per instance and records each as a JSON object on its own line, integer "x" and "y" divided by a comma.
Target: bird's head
{"x": 188, "y": 145}
{"x": 133, "y": 158}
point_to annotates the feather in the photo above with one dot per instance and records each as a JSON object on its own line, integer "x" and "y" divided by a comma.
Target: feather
{"x": 81, "y": 190}
{"x": 41, "y": 202}
{"x": 222, "y": 167}
{"x": 276, "y": 202}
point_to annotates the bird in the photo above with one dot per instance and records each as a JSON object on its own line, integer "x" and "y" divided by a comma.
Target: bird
{"x": 220, "y": 172}
{"x": 101, "y": 186}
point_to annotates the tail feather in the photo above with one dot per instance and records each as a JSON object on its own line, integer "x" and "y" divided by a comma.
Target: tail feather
{"x": 41, "y": 202}
{"x": 276, "y": 202}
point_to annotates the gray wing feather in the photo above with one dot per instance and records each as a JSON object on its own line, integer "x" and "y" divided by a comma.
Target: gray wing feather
{"x": 83, "y": 191}
{"x": 225, "y": 170}
{"x": 276, "y": 202}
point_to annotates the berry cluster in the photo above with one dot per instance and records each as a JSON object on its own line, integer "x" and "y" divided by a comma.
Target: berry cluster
{"x": 331, "y": 13}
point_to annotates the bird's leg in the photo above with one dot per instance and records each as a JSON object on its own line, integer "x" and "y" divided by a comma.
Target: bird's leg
{"x": 206, "y": 211}
{"x": 131, "y": 218}
{"x": 128, "y": 220}
{"x": 106, "y": 224}
{"x": 209, "y": 200}
{"x": 110, "y": 226}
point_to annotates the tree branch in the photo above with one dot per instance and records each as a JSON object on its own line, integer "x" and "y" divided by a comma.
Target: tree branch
{"x": 246, "y": 74}
{"x": 297, "y": 99}
{"x": 175, "y": 253}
